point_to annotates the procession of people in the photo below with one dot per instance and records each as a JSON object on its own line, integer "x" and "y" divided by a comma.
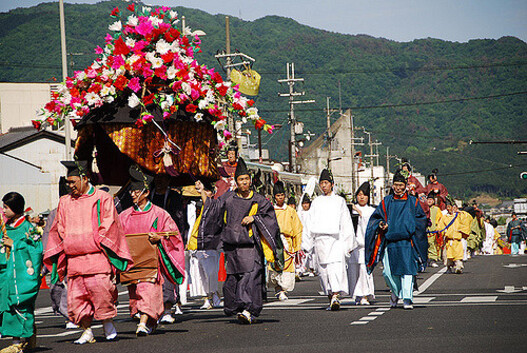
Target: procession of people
{"x": 267, "y": 244}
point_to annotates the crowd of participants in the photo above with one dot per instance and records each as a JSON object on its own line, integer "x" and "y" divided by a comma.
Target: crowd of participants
{"x": 158, "y": 242}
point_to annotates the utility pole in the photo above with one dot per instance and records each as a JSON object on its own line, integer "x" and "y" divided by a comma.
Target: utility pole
{"x": 291, "y": 80}
{"x": 353, "y": 143}
{"x": 371, "y": 155}
{"x": 67, "y": 125}
{"x": 329, "y": 134}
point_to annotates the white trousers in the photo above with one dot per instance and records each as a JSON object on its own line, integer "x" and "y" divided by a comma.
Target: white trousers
{"x": 359, "y": 281}
{"x": 204, "y": 267}
{"x": 333, "y": 277}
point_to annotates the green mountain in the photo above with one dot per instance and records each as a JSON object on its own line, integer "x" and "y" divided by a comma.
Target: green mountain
{"x": 423, "y": 99}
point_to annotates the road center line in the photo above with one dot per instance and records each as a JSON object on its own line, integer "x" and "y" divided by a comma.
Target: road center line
{"x": 430, "y": 281}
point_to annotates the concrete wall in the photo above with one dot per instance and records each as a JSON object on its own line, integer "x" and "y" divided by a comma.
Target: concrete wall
{"x": 20, "y": 102}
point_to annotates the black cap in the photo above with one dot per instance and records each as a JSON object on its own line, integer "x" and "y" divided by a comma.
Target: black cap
{"x": 291, "y": 200}
{"x": 432, "y": 194}
{"x": 306, "y": 199}
{"x": 278, "y": 188}
{"x": 399, "y": 177}
{"x": 433, "y": 173}
{"x": 76, "y": 168}
{"x": 233, "y": 147}
{"x": 138, "y": 179}
{"x": 365, "y": 188}
{"x": 326, "y": 175}
{"x": 241, "y": 169}
{"x": 207, "y": 185}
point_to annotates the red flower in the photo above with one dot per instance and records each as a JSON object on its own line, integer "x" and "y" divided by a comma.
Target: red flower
{"x": 191, "y": 108}
{"x": 216, "y": 77}
{"x": 95, "y": 88}
{"x": 131, "y": 7}
{"x": 50, "y": 106}
{"x": 237, "y": 106}
{"x": 36, "y": 124}
{"x": 250, "y": 102}
{"x": 148, "y": 99}
{"x": 50, "y": 120}
{"x": 120, "y": 47}
{"x": 161, "y": 72}
{"x": 222, "y": 90}
{"x": 120, "y": 83}
{"x": 259, "y": 124}
{"x": 171, "y": 35}
{"x": 168, "y": 57}
{"x": 115, "y": 12}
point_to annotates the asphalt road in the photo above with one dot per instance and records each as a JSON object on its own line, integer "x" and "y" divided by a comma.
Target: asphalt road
{"x": 482, "y": 310}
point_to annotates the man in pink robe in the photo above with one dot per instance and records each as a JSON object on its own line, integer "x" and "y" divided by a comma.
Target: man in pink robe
{"x": 438, "y": 189}
{"x": 146, "y": 293}
{"x": 86, "y": 243}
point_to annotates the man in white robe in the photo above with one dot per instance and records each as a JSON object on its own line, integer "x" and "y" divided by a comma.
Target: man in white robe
{"x": 331, "y": 230}
{"x": 360, "y": 282}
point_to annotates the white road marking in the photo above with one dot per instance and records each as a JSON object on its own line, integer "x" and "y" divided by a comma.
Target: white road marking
{"x": 423, "y": 300}
{"x": 288, "y": 302}
{"x": 383, "y": 309}
{"x": 359, "y": 323}
{"x": 430, "y": 281}
{"x": 368, "y": 318}
{"x": 377, "y": 313}
{"x": 509, "y": 289}
{"x": 487, "y": 299}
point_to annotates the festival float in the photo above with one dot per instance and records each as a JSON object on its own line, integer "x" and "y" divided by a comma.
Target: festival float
{"x": 146, "y": 100}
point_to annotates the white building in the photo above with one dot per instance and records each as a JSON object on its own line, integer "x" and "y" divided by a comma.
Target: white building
{"x": 30, "y": 165}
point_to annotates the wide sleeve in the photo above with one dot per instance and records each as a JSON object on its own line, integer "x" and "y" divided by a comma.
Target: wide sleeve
{"x": 54, "y": 256}
{"x": 419, "y": 188}
{"x": 267, "y": 224}
{"x": 420, "y": 238}
{"x": 307, "y": 239}
{"x": 171, "y": 249}
{"x": 347, "y": 232}
{"x": 297, "y": 228}
{"x": 111, "y": 235}
{"x": 373, "y": 239}
{"x": 212, "y": 220}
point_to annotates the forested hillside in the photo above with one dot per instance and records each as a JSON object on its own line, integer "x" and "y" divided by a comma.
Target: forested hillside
{"x": 396, "y": 90}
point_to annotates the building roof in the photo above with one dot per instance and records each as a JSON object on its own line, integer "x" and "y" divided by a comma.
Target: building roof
{"x": 20, "y": 136}
{"x": 321, "y": 141}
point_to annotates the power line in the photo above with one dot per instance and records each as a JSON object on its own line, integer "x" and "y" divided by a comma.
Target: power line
{"x": 402, "y": 69}
{"x": 510, "y": 166}
{"x": 409, "y": 104}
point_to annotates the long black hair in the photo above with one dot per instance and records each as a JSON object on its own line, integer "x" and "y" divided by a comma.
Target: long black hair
{"x": 15, "y": 201}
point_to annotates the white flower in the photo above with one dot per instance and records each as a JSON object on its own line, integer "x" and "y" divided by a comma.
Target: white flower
{"x": 92, "y": 98}
{"x": 132, "y": 20}
{"x": 130, "y": 43}
{"x": 252, "y": 111}
{"x": 198, "y": 116}
{"x": 244, "y": 120}
{"x": 174, "y": 47}
{"x": 162, "y": 46}
{"x": 147, "y": 9}
{"x": 63, "y": 89}
{"x": 220, "y": 125}
{"x": 171, "y": 72}
{"x": 66, "y": 98}
{"x": 105, "y": 91}
{"x": 156, "y": 63}
{"x": 80, "y": 75}
{"x": 155, "y": 21}
{"x": 95, "y": 65}
{"x": 186, "y": 88}
{"x": 204, "y": 103}
{"x": 133, "y": 101}
{"x": 108, "y": 99}
{"x": 172, "y": 14}
{"x": 116, "y": 26}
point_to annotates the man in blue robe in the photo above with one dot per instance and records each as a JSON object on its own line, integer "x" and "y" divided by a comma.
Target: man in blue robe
{"x": 396, "y": 235}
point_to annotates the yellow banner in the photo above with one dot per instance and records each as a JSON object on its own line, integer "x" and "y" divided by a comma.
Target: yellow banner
{"x": 249, "y": 81}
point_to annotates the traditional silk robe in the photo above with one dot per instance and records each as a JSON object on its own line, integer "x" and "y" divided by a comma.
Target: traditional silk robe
{"x": 147, "y": 296}
{"x": 86, "y": 243}
{"x": 441, "y": 190}
{"x": 514, "y": 231}
{"x": 204, "y": 250}
{"x": 405, "y": 242}
{"x": 359, "y": 281}
{"x": 414, "y": 186}
{"x": 331, "y": 230}
{"x": 19, "y": 280}
{"x": 488, "y": 243}
{"x": 435, "y": 240}
{"x": 455, "y": 227}
{"x": 291, "y": 233}
{"x": 244, "y": 246}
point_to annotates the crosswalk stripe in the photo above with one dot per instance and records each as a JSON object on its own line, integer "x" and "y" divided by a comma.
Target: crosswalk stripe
{"x": 486, "y": 299}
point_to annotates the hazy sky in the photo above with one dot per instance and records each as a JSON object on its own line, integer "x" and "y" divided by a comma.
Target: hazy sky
{"x": 400, "y": 20}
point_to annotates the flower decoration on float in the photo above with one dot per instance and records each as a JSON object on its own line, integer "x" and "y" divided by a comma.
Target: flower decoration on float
{"x": 148, "y": 60}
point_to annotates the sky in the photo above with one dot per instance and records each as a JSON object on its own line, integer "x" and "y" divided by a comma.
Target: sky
{"x": 399, "y": 20}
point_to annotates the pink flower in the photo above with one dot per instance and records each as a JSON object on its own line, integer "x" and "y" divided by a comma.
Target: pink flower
{"x": 221, "y": 144}
{"x": 166, "y": 115}
{"x": 165, "y": 8}
{"x": 194, "y": 94}
{"x": 98, "y": 50}
{"x": 147, "y": 71}
{"x": 140, "y": 45}
{"x": 147, "y": 118}
{"x": 227, "y": 134}
{"x": 118, "y": 61}
{"x": 145, "y": 28}
{"x": 134, "y": 84}
{"x": 108, "y": 38}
